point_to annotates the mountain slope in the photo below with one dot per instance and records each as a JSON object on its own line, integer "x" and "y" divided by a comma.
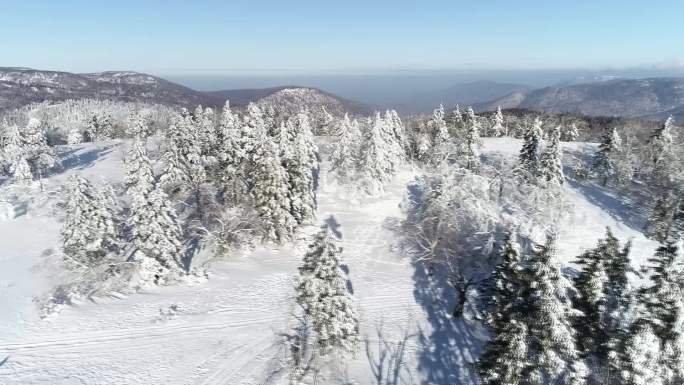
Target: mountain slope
{"x": 650, "y": 98}
{"x": 22, "y": 86}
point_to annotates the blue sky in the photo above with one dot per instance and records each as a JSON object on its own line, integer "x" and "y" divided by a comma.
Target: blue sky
{"x": 273, "y": 36}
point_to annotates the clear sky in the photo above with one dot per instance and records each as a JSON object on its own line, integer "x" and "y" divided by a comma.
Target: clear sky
{"x": 339, "y": 36}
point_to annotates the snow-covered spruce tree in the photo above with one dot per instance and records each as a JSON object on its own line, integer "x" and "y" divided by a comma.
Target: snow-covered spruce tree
{"x": 40, "y": 156}
{"x": 604, "y": 159}
{"x": 21, "y": 171}
{"x": 663, "y": 304}
{"x": 441, "y": 140}
{"x": 90, "y": 227}
{"x": 323, "y": 295}
{"x": 661, "y": 151}
{"x": 12, "y": 146}
{"x": 497, "y": 128}
{"x": 530, "y": 153}
{"x": 156, "y": 236}
{"x": 300, "y": 163}
{"x": 571, "y": 133}
{"x": 230, "y": 173}
{"x": 552, "y": 353}
{"x": 269, "y": 191}
{"x": 505, "y": 356}
{"x": 666, "y": 220}
{"x": 344, "y": 157}
{"x": 642, "y": 353}
{"x": 74, "y": 135}
{"x": 604, "y": 298}
{"x": 470, "y": 154}
{"x": 551, "y": 164}
{"x": 399, "y": 131}
{"x": 139, "y": 125}
{"x": 375, "y": 166}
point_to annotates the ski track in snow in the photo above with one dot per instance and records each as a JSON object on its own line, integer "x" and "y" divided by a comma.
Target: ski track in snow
{"x": 226, "y": 330}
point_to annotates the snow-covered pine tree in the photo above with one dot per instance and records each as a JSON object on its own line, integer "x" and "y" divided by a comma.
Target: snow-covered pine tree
{"x": 497, "y": 128}
{"x": 530, "y": 153}
{"x": 40, "y": 156}
{"x": 230, "y": 156}
{"x": 551, "y": 163}
{"x": 666, "y": 218}
{"x": 661, "y": 151}
{"x": 642, "y": 353}
{"x": 300, "y": 165}
{"x": 269, "y": 191}
{"x": 12, "y": 146}
{"x": 74, "y": 135}
{"x": 21, "y": 171}
{"x": 90, "y": 227}
{"x": 505, "y": 356}
{"x": 155, "y": 233}
{"x": 139, "y": 125}
{"x": 375, "y": 165}
{"x": 571, "y": 133}
{"x": 441, "y": 140}
{"x": 663, "y": 303}
{"x": 323, "y": 295}
{"x": 552, "y": 353}
{"x": 470, "y": 154}
{"x": 603, "y": 300}
{"x": 139, "y": 178}
{"x": 399, "y": 131}
{"x": 344, "y": 157}
{"x": 604, "y": 159}
{"x": 156, "y": 236}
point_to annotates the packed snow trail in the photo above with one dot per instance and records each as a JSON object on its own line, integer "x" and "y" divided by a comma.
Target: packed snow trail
{"x": 227, "y": 330}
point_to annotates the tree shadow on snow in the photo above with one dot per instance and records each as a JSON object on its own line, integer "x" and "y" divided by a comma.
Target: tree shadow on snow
{"x": 71, "y": 159}
{"x": 450, "y": 348}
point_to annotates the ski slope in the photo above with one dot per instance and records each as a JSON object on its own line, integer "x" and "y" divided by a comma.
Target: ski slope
{"x": 228, "y": 329}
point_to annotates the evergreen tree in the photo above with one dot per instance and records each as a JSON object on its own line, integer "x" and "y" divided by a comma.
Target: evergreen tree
{"x": 375, "y": 165}
{"x": 530, "y": 153}
{"x": 604, "y": 160}
{"x": 90, "y": 227}
{"x": 74, "y": 135}
{"x": 552, "y": 353}
{"x": 551, "y": 164}
{"x": 470, "y": 154}
{"x": 323, "y": 295}
{"x": 661, "y": 151}
{"x": 40, "y": 156}
{"x": 440, "y": 137}
{"x": 270, "y": 191}
{"x": 21, "y": 171}
{"x": 644, "y": 359}
{"x": 603, "y": 301}
{"x": 663, "y": 303}
{"x": 497, "y": 126}
{"x": 505, "y": 356}
{"x": 344, "y": 157}
{"x": 665, "y": 221}
{"x": 300, "y": 163}
{"x": 571, "y": 134}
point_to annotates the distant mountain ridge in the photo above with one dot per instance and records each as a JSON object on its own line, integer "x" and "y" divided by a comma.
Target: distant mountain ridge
{"x": 650, "y": 98}
{"x": 23, "y": 86}
{"x": 470, "y": 93}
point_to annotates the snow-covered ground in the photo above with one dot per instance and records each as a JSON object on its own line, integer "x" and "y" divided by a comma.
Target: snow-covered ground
{"x": 227, "y": 330}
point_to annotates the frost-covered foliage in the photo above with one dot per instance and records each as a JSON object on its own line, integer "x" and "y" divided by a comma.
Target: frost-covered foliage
{"x": 324, "y": 297}
{"x": 89, "y": 119}
{"x": 156, "y": 236}
{"x": 90, "y": 228}
{"x": 551, "y": 160}
{"x": 456, "y": 218}
{"x": 24, "y": 151}
{"x": 530, "y": 153}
